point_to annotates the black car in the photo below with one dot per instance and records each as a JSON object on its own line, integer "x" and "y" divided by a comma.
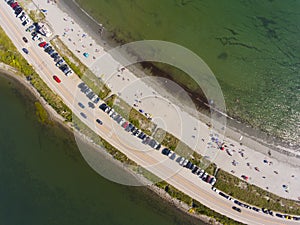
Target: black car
{"x": 10, "y": 2}
{"x": 25, "y": 39}
{"x": 18, "y": 10}
{"x": 279, "y": 215}
{"x": 99, "y": 121}
{"x": 236, "y": 209}
{"x": 63, "y": 67}
{"x": 103, "y": 106}
{"x": 195, "y": 169}
{"x": 128, "y": 128}
{"x": 165, "y": 151}
{"x": 51, "y": 51}
{"x": 54, "y": 55}
{"x": 25, "y": 50}
{"x": 48, "y": 49}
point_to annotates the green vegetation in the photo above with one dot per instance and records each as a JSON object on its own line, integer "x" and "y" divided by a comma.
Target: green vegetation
{"x": 254, "y": 195}
{"x": 41, "y": 113}
{"x": 10, "y": 56}
{"x": 80, "y": 69}
{"x": 36, "y": 16}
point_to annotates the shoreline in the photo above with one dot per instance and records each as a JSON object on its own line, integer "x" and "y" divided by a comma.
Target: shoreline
{"x": 8, "y": 72}
{"x": 257, "y": 139}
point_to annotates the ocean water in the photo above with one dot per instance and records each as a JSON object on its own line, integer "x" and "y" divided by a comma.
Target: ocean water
{"x": 253, "y": 48}
{"x": 45, "y": 180}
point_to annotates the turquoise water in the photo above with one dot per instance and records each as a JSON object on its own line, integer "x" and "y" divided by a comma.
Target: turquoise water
{"x": 45, "y": 180}
{"x": 252, "y": 47}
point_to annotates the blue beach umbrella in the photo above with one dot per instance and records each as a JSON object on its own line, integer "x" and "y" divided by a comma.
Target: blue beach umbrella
{"x": 86, "y": 54}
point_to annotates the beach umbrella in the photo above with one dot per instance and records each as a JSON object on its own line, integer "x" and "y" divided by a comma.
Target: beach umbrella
{"x": 44, "y": 10}
{"x": 141, "y": 111}
{"x": 86, "y": 54}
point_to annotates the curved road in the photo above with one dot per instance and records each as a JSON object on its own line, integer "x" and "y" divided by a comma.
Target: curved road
{"x": 151, "y": 159}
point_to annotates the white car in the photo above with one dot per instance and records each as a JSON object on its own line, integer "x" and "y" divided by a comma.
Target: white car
{"x": 93, "y": 98}
{"x": 35, "y": 37}
{"x": 122, "y": 121}
{"x": 181, "y": 161}
{"x": 111, "y": 112}
{"x": 185, "y": 162}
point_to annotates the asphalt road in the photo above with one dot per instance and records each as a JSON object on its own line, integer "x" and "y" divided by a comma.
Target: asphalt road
{"x": 151, "y": 159}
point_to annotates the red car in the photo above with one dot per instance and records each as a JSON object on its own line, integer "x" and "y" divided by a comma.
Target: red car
{"x": 42, "y": 44}
{"x": 14, "y": 5}
{"x": 56, "y": 79}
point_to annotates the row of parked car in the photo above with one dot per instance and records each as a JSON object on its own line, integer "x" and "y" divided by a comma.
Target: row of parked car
{"x": 90, "y": 94}
{"x": 35, "y": 36}
{"x": 147, "y": 140}
{"x": 19, "y": 12}
{"x": 256, "y": 209}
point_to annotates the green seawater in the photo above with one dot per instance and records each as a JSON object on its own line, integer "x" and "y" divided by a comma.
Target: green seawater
{"x": 253, "y": 48}
{"x": 45, "y": 180}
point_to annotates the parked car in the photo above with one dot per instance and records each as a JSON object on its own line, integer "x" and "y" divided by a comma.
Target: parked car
{"x": 81, "y": 105}
{"x": 91, "y": 105}
{"x": 103, "y": 106}
{"x": 25, "y": 50}
{"x": 122, "y": 121}
{"x": 185, "y": 162}
{"x": 181, "y": 160}
{"x": 165, "y": 151}
{"x": 83, "y": 115}
{"x": 195, "y": 169}
{"x": 59, "y": 63}
{"x": 36, "y": 37}
{"x": 25, "y": 22}
{"x": 30, "y": 28}
{"x": 146, "y": 140}
{"x": 213, "y": 181}
{"x": 53, "y": 55}
{"x": 128, "y": 128}
{"x": 172, "y": 156}
{"x": 125, "y": 125}
{"x": 99, "y": 121}
{"x": 46, "y": 45}
{"x": 204, "y": 176}
{"x": 69, "y": 73}
{"x": 201, "y": 173}
{"x": 25, "y": 39}
{"x": 56, "y": 79}
{"x": 97, "y": 100}
{"x": 18, "y": 11}
{"x": 57, "y": 59}
{"x": 236, "y": 209}
{"x": 158, "y": 147}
